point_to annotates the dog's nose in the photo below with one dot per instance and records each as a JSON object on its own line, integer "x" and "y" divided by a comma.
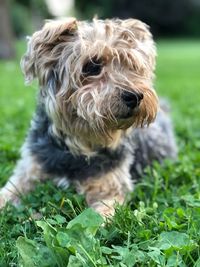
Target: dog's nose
{"x": 132, "y": 99}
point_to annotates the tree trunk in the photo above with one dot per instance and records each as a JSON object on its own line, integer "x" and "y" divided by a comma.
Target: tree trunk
{"x": 7, "y": 50}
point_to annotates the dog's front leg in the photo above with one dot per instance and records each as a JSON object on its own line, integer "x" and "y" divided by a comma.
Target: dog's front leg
{"x": 103, "y": 192}
{"x": 22, "y": 181}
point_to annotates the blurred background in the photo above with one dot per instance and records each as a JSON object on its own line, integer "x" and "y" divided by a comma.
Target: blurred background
{"x": 167, "y": 18}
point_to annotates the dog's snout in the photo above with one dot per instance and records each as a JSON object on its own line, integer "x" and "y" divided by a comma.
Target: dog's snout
{"x": 132, "y": 99}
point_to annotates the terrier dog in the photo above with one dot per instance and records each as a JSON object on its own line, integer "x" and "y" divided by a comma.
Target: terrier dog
{"x": 98, "y": 121}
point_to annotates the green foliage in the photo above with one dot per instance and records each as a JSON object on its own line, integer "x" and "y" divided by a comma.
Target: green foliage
{"x": 79, "y": 243}
{"x": 33, "y": 254}
{"x": 158, "y": 226}
{"x": 65, "y": 245}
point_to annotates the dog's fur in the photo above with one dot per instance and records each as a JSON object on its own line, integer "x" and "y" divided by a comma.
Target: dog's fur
{"x": 83, "y": 130}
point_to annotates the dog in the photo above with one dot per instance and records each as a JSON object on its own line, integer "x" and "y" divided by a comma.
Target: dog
{"x": 98, "y": 122}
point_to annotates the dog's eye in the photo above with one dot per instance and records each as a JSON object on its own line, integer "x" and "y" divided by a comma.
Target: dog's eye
{"x": 92, "y": 68}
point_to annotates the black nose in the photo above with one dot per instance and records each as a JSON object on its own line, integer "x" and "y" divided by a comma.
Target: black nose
{"x": 132, "y": 99}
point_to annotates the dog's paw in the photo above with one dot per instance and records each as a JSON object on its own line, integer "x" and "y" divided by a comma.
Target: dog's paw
{"x": 3, "y": 199}
{"x": 7, "y": 196}
{"x": 103, "y": 209}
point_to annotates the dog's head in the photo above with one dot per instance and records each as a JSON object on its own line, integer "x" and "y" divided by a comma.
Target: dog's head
{"x": 95, "y": 77}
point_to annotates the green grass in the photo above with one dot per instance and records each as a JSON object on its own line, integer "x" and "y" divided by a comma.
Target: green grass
{"x": 159, "y": 226}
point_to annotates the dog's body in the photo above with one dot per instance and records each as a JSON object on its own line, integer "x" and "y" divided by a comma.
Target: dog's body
{"x": 95, "y": 105}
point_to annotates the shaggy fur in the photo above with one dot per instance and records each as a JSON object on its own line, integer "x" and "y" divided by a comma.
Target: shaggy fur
{"x": 95, "y": 122}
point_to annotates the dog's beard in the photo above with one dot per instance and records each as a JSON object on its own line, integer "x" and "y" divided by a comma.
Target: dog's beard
{"x": 106, "y": 111}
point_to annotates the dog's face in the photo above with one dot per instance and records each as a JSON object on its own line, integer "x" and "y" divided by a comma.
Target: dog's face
{"x": 95, "y": 78}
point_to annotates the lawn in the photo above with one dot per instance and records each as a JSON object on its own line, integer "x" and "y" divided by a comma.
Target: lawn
{"x": 159, "y": 226}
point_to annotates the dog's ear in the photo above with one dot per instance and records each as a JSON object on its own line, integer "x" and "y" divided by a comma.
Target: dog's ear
{"x": 45, "y": 47}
